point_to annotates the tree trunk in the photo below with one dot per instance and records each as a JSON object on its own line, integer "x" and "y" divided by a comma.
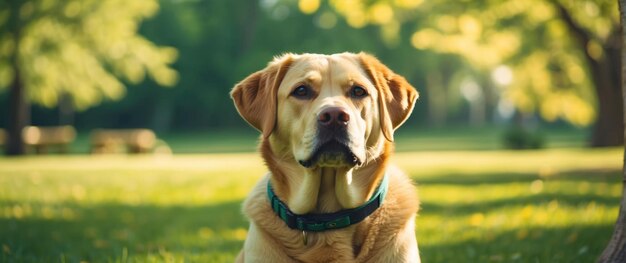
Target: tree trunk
{"x": 615, "y": 251}
{"x": 66, "y": 109}
{"x": 605, "y": 76}
{"x": 437, "y": 99}
{"x": 18, "y": 117}
{"x": 18, "y": 104}
{"x": 247, "y": 16}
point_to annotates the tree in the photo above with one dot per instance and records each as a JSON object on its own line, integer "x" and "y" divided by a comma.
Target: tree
{"x": 602, "y": 54}
{"x": 555, "y": 57}
{"x": 615, "y": 251}
{"x": 83, "y": 49}
{"x": 219, "y": 43}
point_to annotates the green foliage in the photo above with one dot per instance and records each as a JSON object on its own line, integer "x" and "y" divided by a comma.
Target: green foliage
{"x": 530, "y": 38}
{"x": 532, "y": 206}
{"x": 220, "y": 42}
{"x": 84, "y": 48}
{"x": 518, "y": 138}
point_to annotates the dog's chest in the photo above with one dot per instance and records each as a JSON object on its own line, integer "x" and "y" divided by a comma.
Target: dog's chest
{"x": 339, "y": 246}
{"x": 326, "y": 249}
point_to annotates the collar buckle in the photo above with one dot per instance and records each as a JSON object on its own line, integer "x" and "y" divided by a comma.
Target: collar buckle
{"x": 321, "y": 225}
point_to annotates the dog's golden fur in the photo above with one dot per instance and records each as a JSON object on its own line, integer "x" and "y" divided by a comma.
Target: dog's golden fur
{"x": 289, "y": 127}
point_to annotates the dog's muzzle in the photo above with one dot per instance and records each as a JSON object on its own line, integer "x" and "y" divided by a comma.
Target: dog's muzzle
{"x": 332, "y": 148}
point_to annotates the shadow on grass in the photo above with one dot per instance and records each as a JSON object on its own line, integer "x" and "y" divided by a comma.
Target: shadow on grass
{"x": 571, "y": 243}
{"x": 496, "y": 179}
{"x": 215, "y": 232}
{"x": 568, "y": 244}
{"x": 564, "y": 200}
{"x": 106, "y": 232}
{"x": 604, "y": 175}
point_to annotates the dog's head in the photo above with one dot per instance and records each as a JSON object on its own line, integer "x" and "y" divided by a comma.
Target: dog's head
{"x": 326, "y": 110}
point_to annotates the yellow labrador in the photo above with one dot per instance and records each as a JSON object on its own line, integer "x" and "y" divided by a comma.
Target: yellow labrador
{"x": 331, "y": 195}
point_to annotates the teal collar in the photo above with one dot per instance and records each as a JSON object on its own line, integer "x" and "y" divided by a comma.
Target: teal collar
{"x": 323, "y": 222}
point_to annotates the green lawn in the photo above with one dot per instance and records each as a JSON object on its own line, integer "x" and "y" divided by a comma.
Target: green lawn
{"x": 554, "y": 205}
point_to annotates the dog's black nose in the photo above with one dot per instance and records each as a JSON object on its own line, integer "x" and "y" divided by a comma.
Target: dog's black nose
{"x": 333, "y": 116}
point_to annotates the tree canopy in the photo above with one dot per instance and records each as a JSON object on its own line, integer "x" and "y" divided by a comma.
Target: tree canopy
{"x": 473, "y": 61}
{"x": 524, "y": 45}
{"x": 86, "y": 49}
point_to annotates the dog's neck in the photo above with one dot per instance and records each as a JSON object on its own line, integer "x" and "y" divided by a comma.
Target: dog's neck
{"x": 322, "y": 189}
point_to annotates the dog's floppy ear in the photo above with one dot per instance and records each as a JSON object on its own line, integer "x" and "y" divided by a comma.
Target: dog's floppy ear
{"x": 255, "y": 96}
{"x": 396, "y": 97}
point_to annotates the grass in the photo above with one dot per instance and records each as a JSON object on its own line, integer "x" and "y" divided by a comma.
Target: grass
{"x": 479, "y": 204}
{"x": 119, "y": 209}
{"x": 548, "y": 206}
{"x": 489, "y": 206}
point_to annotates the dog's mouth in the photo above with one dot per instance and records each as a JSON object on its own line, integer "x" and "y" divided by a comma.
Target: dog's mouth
{"x": 332, "y": 154}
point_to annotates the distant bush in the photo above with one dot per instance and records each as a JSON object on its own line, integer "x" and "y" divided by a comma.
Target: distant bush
{"x": 518, "y": 138}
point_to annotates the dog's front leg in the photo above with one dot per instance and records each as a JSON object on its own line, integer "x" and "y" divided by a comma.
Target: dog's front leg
{"x": 402, "y": 248}
{"x": 260, "y": 247}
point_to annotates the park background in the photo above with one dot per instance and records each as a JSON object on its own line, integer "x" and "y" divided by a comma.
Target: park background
{"x": 494, "y": 77}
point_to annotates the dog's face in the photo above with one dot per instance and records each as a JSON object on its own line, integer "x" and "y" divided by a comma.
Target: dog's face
{"x": 326, "y": 110}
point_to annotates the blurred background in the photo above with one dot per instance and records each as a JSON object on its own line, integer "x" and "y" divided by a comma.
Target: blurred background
{"x": 515, "y": 142}
{"x": 524, "y": 73}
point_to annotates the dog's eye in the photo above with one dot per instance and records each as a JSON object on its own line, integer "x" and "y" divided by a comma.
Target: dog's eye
{"x": 358, "y": 92}
{"x": 302, "y": 92}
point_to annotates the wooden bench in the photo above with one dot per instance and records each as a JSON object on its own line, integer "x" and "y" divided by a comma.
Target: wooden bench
{"x": 125, "y": 140}
{"x": 40, "y": 138}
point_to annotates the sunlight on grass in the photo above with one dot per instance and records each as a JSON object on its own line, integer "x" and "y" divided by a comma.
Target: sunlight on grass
{"x": 131, "y": 180}
{"x": 546, "y": 206}
{"x": 492, "y": 206}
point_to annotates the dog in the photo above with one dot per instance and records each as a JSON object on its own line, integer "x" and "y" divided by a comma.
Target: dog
{"x": 327, "y": 127}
